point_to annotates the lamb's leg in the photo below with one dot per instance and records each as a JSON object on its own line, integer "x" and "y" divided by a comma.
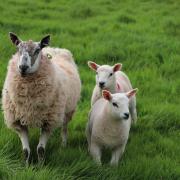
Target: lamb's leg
{"x": 22, "y": 132}
{"x": 64, "y": 131}
{"x": 88, "y": 136}
{"x": 117, "y": 154}
{"x": 45, "y": 134}
{"x": 95, "y": 151}
{"x": 132, "y": 109}
{"x": 88, "y": 131}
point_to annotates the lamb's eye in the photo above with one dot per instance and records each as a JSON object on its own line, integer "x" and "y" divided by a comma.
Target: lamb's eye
{"x": 110, "y": 74}
{"x": 115, "y": 104}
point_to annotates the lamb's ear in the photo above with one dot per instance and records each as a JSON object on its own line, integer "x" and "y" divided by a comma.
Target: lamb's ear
{"x": 45, "y": 41}
{"x": 131, "y": 93}
{"x": 93, "y": 65}
{"x": 107, "y": 95}
{"x": 117, "y": 67}
{"x": 15, "y": 40}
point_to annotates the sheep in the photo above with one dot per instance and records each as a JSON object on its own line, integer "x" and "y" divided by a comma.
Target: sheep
{"x": 112, "y": 79}
{"x": 109, "y": 124}
{"x": 41, "y": 89}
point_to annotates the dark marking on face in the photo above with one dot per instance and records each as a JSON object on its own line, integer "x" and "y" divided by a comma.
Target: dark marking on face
{"x": 30, "y": 47}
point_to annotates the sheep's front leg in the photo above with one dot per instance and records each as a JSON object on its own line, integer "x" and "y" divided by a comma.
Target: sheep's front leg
{"x": 116, "y": 155}
{"x": 22, "y": 132}
{"x": 64, "y": 134}
{"x": 95, "y": 151}
{"x": 45, "y": 134}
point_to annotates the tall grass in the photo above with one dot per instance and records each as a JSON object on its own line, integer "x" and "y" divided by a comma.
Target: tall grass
{"x": 143, "y": 35}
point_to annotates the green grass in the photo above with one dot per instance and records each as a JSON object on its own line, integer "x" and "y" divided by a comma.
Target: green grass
{"x": 144, "y": 35}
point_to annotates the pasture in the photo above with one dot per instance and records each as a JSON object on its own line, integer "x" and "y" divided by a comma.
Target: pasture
{"x": 143, "y": 35}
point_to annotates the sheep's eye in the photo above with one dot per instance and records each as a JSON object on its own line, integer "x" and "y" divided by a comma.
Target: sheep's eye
{"x": 110, "y": 74}
{"x": 115, "y": 104}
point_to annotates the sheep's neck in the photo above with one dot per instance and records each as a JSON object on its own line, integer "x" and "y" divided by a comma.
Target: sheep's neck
{"x": 112, "y": 89}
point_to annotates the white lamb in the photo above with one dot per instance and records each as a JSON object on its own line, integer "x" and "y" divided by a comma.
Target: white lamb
{"x": 41, "y": 89}
{"x": 109, "y": 124}
{"x": 112, "y": 79}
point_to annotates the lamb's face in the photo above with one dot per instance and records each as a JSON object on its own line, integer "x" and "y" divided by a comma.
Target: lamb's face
{"x": 105, "y": 74}
{"x": 29, "y": 54}
{"x": 119, "y": 103}
{"x": 120, "y": 106}
{"x": 105, "y": 77}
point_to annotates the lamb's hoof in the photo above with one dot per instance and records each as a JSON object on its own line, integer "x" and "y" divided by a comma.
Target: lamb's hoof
{"x": 26, "y": 155}
{"x": 41, "y": 153}
{"x": 114, "y": 164}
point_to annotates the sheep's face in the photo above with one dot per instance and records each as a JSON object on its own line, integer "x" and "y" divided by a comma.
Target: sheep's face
{"x": 29, "y": 54}
{"x": 119, "y": 103}
{"x": 105, "y": 74}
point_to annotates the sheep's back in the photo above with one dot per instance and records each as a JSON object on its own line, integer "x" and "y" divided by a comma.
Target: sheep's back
{"x": 64, "y": 62}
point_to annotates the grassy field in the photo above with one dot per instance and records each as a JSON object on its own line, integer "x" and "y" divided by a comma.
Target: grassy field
{"x": 144, "y": 35}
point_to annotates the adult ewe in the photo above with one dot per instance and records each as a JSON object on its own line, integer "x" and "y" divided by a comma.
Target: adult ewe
{"x": 41, "y": 89}
{"x": 112, "y": 79}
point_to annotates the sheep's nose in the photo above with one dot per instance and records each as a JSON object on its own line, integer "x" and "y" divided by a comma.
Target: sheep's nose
{"x": 126, "y": 115}
{"x": 23, "y": 68}
{"x": 101, "y": 84}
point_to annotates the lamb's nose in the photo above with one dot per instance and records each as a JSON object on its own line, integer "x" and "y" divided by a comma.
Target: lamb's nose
{"x": 126, "y": 115}
{"x": 101, "y": 84}
{"x": 23, "y": 68}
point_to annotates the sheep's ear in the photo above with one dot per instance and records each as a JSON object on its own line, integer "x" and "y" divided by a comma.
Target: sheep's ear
{"x": 45, "y": 41}
{"x": 93, "y": 65}
{"x": 117, "y": 67}
{"x": 107, "y": 95}
{"x": 15, "y": 40}
{"x": 131, "y": 93}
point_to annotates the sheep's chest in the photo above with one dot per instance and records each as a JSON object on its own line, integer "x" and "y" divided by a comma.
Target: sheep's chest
{"x": 111, "y": 135}
{"x": 32, "y": 100}
{"x": 31, "y": 94}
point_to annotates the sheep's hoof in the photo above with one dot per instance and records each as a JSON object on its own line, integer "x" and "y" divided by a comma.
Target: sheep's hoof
{"x": 41, "y": 153}
{"x": 26, "y": 156}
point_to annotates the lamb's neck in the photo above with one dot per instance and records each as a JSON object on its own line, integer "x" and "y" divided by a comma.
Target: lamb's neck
{"x": 112, "y": 89}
